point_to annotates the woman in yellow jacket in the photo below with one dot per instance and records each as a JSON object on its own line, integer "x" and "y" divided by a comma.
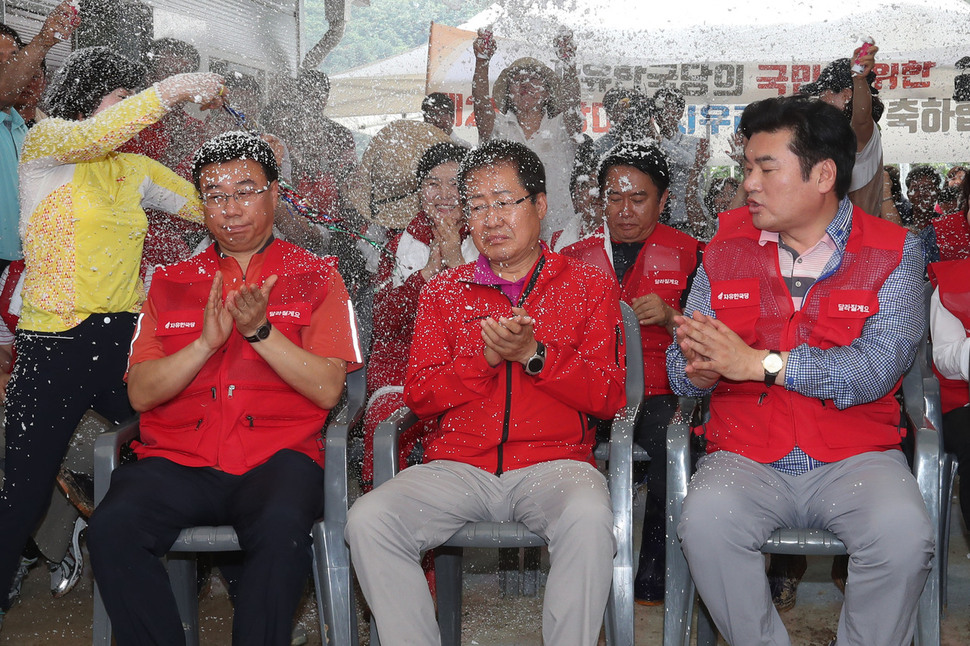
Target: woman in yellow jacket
{"x": 83, "y": 225}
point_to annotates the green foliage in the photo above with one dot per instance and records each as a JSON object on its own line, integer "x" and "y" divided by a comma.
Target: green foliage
{"x": 385, "y": 28}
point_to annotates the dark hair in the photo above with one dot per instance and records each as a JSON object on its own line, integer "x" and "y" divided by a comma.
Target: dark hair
{"x": 176, "y": 47}
{"x": 243, "y": 82}
{"x": 717, "y": 185}
{"x": 528, "y": 167}
{"x": 437, "y": 155}
{"x": 234, "y": 145}
{"x": 923, "y": 172}
{"x": 436, "y": 102}
{"x": 667, "y": 97}
{"x": 313, "y": 81}
{"x": 818, "y": 132}
{"x": 89, "y": 75}
{"x": 646, "y": 158}
{"x": 7, "y": 30}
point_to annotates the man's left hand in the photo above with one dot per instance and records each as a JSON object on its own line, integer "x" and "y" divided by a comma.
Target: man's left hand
{"x": 718, "y": 348}
{"x": 651, "y": 310}
{"x": 511, "y": 339}
{"x": 247, "y": 305}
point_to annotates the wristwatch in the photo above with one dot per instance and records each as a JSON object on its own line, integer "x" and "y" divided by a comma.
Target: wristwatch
{"x": 261, "y": 333}
{"x": 537, "y": 361}
{"x": 772, "y": 363}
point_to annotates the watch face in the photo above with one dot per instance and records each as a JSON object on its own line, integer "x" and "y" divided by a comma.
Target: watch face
{"x": 263, "y": 332}
{"x": 772, "y": 363}
{"x": 535, "y": 364}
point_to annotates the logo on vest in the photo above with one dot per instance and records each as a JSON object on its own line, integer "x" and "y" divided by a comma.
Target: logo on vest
{"x": 284, "y": 313}
{"x": 854, "y": 307}
{"x": 180, "y": 325}
{"x": 734, "y": 296}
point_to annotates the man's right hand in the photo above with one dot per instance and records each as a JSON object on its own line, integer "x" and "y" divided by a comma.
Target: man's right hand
{"x": 60, "y": 24}
{"x": 217, "y": 322}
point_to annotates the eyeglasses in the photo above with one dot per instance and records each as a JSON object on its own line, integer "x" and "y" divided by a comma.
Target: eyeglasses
{"x": 479, "y": 209}
{"x": 243, "y": 197}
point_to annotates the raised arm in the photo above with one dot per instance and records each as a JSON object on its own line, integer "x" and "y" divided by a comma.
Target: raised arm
{"x": 572, "y": 110}
{"x": 862, "y": 123}
{"x": 64, "y": 142}
{"x": 484, "y": 48}
{"x": 17, "y": 72}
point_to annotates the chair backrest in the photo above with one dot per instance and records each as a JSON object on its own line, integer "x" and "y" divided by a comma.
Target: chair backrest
{"x": 634, "y": 356}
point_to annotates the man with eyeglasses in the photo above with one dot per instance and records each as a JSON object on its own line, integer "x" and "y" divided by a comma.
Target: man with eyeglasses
{"x": 238, "y": 356}
{"x": 511, "y": 354}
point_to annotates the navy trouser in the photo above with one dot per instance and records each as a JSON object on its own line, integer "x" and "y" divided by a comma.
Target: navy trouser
{"x": 56, "y": 379}
{"x": 273, "y": 508}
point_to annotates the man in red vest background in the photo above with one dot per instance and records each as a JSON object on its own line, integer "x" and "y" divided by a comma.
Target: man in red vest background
{"x": 803, "y": 317}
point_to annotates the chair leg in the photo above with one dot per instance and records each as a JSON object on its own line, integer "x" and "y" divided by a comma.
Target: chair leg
{"x": 182, "y": 574}
{"x": 334, "y": 586}
{"x": 706, "y": 632}
{"x": 509, "y": 574}
{"x": 102, "y": 624}
{"x": 447, "y": 569}
{"x": 531, "y": 559}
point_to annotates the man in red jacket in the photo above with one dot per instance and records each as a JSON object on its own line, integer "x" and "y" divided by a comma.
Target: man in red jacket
{"x": 803, "y": 317}
{"x": 512, "y": 354}
{"x": 238, "y": 355}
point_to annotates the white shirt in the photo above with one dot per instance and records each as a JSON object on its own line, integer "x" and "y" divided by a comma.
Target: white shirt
{"x": 868, "y": 162}
{"x": 557, "y": 151}
{"x": 951, "y": 345}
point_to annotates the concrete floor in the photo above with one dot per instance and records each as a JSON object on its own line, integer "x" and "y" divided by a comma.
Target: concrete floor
{"x": 488, "y": 620}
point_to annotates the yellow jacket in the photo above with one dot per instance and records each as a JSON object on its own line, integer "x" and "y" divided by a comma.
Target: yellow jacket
{"x": 82, "y": 215}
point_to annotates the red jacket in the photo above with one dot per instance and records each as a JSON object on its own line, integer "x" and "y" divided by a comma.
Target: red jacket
{"x": 952, "y": 236}
{"x": 500, "y": 419}
{"x": 663, "y": 266}
{"x": 237, "y": 412}
{"x": 951, "y": 279}
{"x": 749, "y": 295}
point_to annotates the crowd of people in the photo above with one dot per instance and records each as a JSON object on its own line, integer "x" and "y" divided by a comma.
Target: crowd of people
{"x": 220, "y": 275}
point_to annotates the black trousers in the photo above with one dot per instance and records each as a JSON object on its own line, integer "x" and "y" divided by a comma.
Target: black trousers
{"x": 56, "y": 379}
{"x": 273, "y": 508}
{"x": 956, "y": 439}
{"x": 651, "y": 434}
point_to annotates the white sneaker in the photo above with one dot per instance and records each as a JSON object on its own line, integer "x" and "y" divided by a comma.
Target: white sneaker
{"x": 66, "y": 574}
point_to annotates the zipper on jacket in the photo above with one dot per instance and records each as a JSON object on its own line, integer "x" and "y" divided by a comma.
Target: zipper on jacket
{"x": 500, "y": 450}
{"x": 231, "y": 388}
{"x": 214, "y": 394}
{"x": 508, "y": 415}
{"x": 249, "y": 418}
{"x": 619, "y": 344}
{"x": 582, "y": 425}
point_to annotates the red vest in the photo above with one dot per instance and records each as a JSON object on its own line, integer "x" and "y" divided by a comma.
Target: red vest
{"x": 237, "y": 412}
{"x": 951, "y": 278}
{"x": 952, "y": 236}
{"x": 662, "y": 267}
{"x": 750, "y": 296}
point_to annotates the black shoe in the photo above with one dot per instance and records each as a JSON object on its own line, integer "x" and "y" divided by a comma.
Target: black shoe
{"x": 648, "y": 587}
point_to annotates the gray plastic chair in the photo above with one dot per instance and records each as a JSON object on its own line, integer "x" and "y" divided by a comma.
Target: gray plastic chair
{"x": 331, "y": 570}
{"x": 920, "y": 403}
{"x": 448, "y": 557}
